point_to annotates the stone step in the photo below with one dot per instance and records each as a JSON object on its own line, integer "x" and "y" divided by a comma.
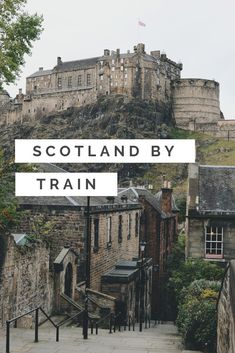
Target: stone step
{"x": 158, "y": 339}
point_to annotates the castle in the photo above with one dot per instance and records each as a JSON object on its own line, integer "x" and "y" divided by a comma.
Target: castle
{"x": 152, "y": 77}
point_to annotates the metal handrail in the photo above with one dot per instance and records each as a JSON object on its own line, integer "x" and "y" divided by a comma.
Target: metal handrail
{"x": 70, "y": 318}
{"x": 36, "y": 310}
{"x": 110, "y": 316}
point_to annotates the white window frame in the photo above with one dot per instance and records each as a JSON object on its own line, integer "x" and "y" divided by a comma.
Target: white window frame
{"x": 214, "y": 247}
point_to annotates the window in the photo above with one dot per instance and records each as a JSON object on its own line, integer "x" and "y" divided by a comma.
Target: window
{"x": 214, "y": 242}
{"x": 69, "y": 81}
{"x": 59, "y": 82}
{"x": 136, "y": 224}
{"x": 113, "y": 68}
{"x": 120, "y": 229}
{"x": 129, "y": 226}
{"x": 96, "y": 234}
{"x": 109, "y": 231}
{"x": 88, "y": 79}
{"x": 79, "y": 80}
{"x": 102, "y": 77}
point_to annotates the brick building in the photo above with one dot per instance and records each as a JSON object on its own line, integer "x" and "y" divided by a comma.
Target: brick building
{"x": 210, "y": 222}
{"x": 159, "y": 230}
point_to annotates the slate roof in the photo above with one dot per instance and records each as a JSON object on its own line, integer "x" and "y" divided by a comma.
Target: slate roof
{"x": 76, "y": 64}
{"x": 97, "y": 202}
{"x": 40, "y": 73}
{"x": 217, "y": 189}
{"x": 133, "y": 193}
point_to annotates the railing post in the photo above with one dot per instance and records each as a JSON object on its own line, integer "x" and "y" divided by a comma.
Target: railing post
{"x": 57, "y": 333}
{"x": 96, "y": 329}
{"x": 91, "y": 327}
{"x": 36, "y": 325}
{"x": 129, "y": 323}
{"x": 110, "y": 323}
{"x": 8, "y": 337}
{"x": 85, "y": 319}
{"x": 133, "y": 324}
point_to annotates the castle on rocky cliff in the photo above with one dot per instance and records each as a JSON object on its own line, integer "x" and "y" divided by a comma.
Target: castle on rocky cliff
{"x": 148, "y": 76}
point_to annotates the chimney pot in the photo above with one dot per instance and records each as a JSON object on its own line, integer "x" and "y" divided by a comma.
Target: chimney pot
{"x": 106, "y": 52}
{"x": 40, "y": 68}
{"x": 59, "y": 60}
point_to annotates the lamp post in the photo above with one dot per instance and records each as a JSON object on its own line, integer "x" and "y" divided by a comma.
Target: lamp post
{"x": 87, "y": 278}
{"x": 141, "y": 296}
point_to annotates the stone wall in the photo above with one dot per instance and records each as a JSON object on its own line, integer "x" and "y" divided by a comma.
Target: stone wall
{"x": 226, "y": 313}
{"x": 25, "y": 282}
{"x": 60, "y": 227}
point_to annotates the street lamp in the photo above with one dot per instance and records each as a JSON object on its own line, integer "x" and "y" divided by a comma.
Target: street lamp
{"x": 141, "y": 297}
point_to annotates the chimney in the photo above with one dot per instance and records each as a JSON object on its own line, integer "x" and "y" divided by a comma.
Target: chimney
{"x": 110, "y": 199}
{"x": 166, "y": 203}
{"x": 135, "y": 49}
{"x": 40, "y": 68}
{"x": 20, "y": 91}
{"x": 59, "y": 60}
{"x": 141, "y": 48}
{"x": 106, "y": 52}
{"x": 118, "y": 53}
{"x": 124, "y": 198}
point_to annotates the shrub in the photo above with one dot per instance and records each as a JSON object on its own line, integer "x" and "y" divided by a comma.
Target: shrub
{"x": 197, "y": 317}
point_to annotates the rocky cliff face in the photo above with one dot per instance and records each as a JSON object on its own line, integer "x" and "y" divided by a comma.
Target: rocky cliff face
{"x": 110, "y": 117}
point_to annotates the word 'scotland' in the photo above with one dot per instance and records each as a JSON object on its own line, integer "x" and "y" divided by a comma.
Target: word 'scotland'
{"x": 105, "y": 151}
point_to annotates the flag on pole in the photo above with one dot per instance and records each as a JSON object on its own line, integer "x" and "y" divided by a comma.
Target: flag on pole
{"x": 142, "y": 24}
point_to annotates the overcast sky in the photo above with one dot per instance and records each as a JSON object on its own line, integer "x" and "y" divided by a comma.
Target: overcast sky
{"x": 199, "y": 33}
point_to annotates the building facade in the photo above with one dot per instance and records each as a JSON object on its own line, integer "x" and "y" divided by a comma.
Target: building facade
{"x": 159, "y": 221}
{"x": 37, "y": 272}
{"x": 210, "y": 225}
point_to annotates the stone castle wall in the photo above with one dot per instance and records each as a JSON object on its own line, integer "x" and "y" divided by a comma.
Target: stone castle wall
{"x": 195, "y": 102}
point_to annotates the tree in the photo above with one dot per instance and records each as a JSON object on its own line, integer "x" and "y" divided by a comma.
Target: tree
{"x": 18, "y": 30}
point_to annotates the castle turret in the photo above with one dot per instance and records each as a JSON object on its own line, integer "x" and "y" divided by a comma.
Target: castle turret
{"x": 196, "y": 104}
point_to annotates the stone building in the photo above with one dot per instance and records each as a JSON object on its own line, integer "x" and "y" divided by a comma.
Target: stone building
{"x": 58, "y": 254}
{"x": 210, "y": 226}
{"x": 194, "y": 103}
{"x": 80, "y": 82}
{"x": 159, "y": 220}
{"x": 226, "y": 312}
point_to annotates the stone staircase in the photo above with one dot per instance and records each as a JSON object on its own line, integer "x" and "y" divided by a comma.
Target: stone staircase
{"x": 162, "y": 338}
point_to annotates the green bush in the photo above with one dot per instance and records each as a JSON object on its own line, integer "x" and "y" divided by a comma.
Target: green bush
{"x": 197, "y": 317}
{"x": 190, "y": 270}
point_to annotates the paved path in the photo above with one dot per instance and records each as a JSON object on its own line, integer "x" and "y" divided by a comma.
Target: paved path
{"x": 159, "y": 339}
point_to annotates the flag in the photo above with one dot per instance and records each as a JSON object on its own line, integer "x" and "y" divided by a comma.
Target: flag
{"x": 142, "y": 24}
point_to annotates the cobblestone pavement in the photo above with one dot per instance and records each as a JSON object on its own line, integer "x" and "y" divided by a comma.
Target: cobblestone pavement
{"x": 159, "y": 339}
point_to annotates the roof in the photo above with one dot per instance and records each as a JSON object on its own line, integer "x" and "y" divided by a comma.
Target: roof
{"x": 133, "y": 193}
{"x": 97, "y": 202}
{"x": 217, "y": 189}
{"x": 76, "y": 64}
{"x": 21, "y": 239}
{"x": 124, "y": 272}
{"x": 40, "y": 73}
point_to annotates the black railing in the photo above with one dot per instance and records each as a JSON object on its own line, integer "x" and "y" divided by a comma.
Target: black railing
{"x": 36, "y": 310}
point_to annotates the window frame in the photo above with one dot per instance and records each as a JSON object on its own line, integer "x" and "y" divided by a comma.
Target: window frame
{"x": 120, "y": 228}
{"x": 109, "y": 231}
{"x": 96, "y": 226}
{"x": 212, "y": 245}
